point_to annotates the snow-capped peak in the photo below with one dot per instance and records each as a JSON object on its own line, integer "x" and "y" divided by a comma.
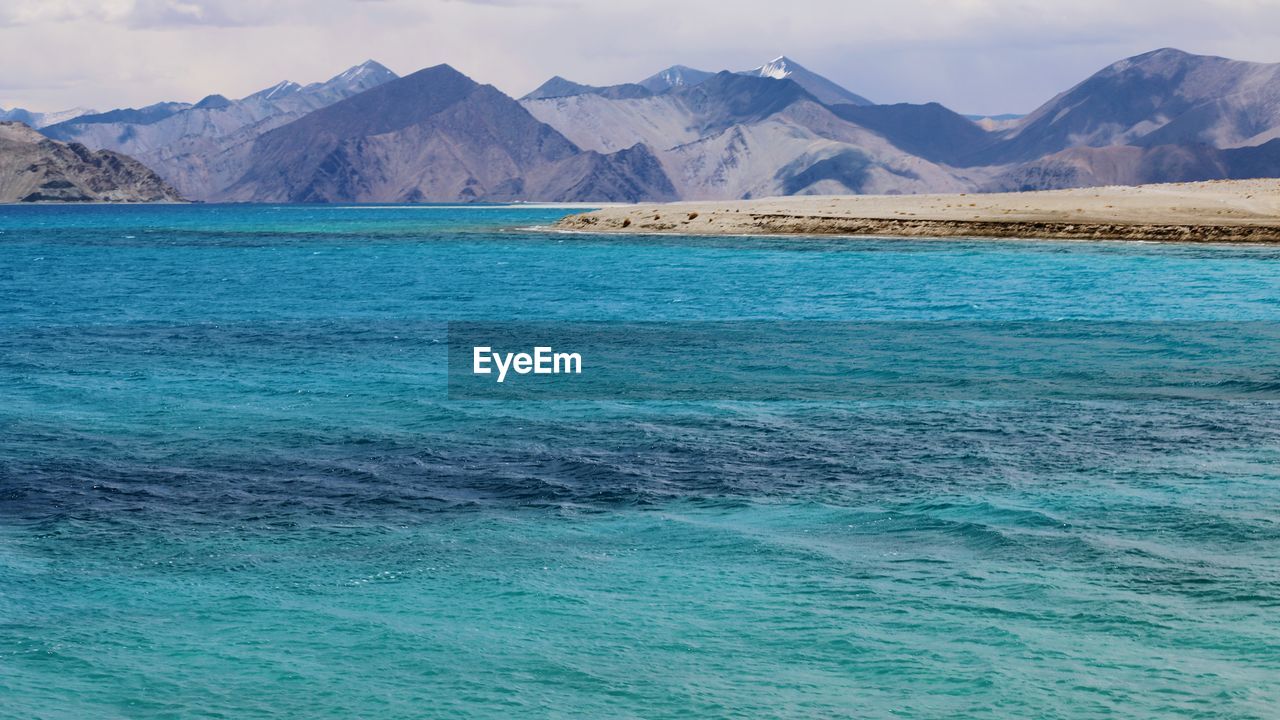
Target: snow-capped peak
{"x": 367, "y": 72}
{"x": 282, "y": 88}
{"x": 779, "y": 68}
{"x": 53, "y": 118}
{"x": 357, "y": 71}
{"x": 675, "y": 76}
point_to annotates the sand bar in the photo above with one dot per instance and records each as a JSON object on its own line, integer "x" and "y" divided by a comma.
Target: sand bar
{"x": 1216, "y": 211}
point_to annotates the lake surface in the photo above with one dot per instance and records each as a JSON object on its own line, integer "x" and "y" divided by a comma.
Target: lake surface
{"x": 233, "y": 483}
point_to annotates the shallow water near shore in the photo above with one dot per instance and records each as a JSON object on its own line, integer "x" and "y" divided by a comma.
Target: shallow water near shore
{"x": 232, "y": 483}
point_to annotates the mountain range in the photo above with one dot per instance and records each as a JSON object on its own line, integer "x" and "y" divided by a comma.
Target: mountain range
{"x": 40, "y": 119}
{"x": 436, "y": 134}
{"x": 203, "y": 148}
{"x": 367, "y": 135}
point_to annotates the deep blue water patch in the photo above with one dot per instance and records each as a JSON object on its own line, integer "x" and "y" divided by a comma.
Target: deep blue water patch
{"x": 232, "y": 482}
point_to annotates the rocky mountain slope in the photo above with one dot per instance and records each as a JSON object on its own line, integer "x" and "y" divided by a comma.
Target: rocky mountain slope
{"x": 203, "y": 148}
{"x": 34, "y": 168}
{"x": 738, "y": 135}
{"x": 929, "y": 131}
{"x": 826, "y": 91}
{"x": 1136, "y": 165}
{"x": 1164, "y": 97}
{"x": 437, "y": 135}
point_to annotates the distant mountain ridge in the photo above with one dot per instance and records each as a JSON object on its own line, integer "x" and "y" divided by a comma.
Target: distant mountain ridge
{"x": 66, "y": 130}
{"x": 41, "y": 119}
{"x": 201, "y": 149}
{"x": 681, "y": 76}
{"x": 674, "y": 77}
{"x": 367, "y": 135}
{"x": 560, "y": 87}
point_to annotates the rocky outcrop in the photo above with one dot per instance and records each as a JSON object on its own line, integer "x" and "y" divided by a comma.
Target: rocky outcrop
{"x": 34, "y": 168}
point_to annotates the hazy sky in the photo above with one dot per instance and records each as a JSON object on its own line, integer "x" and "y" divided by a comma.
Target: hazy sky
{"x": 977, "y": 56}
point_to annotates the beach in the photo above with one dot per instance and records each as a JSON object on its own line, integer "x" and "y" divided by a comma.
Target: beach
{"x": 1215, "y": 211}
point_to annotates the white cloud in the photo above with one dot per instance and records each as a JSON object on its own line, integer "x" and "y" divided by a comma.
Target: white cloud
{"x": 35, "y": 12}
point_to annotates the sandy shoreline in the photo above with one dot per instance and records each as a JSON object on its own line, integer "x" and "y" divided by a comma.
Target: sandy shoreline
{"x": 1217, "y": 211}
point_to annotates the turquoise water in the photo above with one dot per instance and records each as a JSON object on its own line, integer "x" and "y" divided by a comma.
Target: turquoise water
{"x": 232, "y": 484}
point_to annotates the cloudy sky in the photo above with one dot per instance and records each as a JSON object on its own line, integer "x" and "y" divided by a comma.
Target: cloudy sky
{"x": 976, "y": 56}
